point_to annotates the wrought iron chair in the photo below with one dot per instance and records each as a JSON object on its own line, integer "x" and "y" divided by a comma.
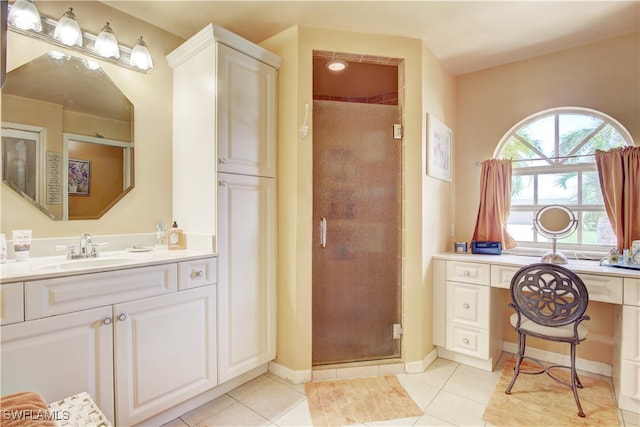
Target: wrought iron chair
{"x": 549, "y": 302}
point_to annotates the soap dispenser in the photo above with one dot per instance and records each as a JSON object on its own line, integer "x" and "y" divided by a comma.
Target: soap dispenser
{"x": 175, "y": 237}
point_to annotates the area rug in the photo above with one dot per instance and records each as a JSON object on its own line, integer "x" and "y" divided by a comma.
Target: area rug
{"x": 359, "y": 400}
{"x": 537, "y": 400}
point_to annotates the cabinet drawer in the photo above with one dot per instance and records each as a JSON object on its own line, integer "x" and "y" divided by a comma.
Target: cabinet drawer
{"x": 66, "y": 294}
{"x": 469, "y": 272}
{"x": 467, "y": 340}
{"x": 193, "y": 274}
{"x": 603, "y": 288}
{"x": 501, "y": 276}
{"x": 11, "y": 303}
{"x": 468, "y": 304}
{"x": 630, "y": 379}
{"x": 631, "y": 291}
{"x": 630, "y": 333}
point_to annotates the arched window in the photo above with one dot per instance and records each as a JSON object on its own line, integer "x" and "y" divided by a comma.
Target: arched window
{"x": 554, "y": 163}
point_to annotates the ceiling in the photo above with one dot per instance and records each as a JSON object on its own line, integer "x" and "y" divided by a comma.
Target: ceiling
{"x": 465, "y": 35}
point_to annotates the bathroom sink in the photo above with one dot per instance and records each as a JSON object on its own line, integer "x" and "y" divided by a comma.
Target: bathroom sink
{"x": 87, "y": 263}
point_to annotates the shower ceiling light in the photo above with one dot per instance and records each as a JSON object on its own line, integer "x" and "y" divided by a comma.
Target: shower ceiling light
{"x": 337, "y": 65}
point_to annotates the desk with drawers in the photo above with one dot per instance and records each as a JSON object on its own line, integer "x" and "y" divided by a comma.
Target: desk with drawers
{"x": 470, "y": 295}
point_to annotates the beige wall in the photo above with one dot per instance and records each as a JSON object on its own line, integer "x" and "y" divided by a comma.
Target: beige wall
{"x": 602, "y": 76}
{"x": 428, "y": 88}
{"x": 151, "y": 94}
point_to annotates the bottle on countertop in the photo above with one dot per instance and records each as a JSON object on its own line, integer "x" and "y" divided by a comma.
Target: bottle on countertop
{"x": 175, "y": 237}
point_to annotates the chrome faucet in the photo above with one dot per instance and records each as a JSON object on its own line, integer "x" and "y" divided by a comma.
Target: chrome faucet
{"x": 87, "y": 248}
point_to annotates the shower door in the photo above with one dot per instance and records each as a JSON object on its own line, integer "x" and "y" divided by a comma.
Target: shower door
{"x": 356, "y": 242}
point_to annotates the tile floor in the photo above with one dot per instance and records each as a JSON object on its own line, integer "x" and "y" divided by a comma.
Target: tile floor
{"x": 451, "y": 394}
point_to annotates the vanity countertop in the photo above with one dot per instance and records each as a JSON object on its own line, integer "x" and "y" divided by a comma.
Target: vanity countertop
{"x": 48, "y": 267}
{"x": 579, "y": 266}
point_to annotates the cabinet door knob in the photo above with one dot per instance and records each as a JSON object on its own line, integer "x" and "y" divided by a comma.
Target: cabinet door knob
{"x": 466, "y": 306}
{"x": 222, "y": 183}
{"x": 466, "y": 272}
{"x": 195, "y": 274}
{"x": 222, "y": 161}
{"x": 122, "y": 316}
{"x": 107, "y": 321}
{"x": 466, "y": 340}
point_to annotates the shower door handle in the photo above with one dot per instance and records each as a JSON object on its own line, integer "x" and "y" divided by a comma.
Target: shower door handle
{"x": 323, "y": 232}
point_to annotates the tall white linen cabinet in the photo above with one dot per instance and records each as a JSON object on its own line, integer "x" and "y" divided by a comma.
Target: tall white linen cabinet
{"x": 224, "y": 183}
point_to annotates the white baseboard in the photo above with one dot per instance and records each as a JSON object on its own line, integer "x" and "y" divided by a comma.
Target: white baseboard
{"x": 294, "y": 377}
{"x": 561, "y": 359}
{"x": 420, "y": 366}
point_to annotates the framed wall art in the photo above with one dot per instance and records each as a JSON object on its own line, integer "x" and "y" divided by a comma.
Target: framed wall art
{"x": 439, "y": 143}
{"x": 79, "y": 177}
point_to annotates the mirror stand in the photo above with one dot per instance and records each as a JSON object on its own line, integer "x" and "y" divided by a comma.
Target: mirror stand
{"x": 554, "y": 222}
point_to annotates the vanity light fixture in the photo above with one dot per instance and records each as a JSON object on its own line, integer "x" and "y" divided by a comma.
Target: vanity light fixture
{"x": 140, "y": 56}
{"x": 337, "y": 65}
{"x": 24, "y": 15}
{"x": 63, "y": 33}
{"x": 106, "y": 43}
{"x": 67, "y": 29}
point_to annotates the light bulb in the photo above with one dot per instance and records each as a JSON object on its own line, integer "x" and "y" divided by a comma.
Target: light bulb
{"x": 67, "y": 30}
{"x": 106, "y": 43}
{"x": 140, "y": 56}
{"x": 24, "y": 15}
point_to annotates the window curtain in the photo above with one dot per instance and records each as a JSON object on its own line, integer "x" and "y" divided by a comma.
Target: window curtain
{"x": 618, "y": 170}
{"x": 495, "y": 203}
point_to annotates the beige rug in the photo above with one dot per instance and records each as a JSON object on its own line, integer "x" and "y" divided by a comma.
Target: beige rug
{"x": 537, "y": 400}
{"x": 360, "y": 400}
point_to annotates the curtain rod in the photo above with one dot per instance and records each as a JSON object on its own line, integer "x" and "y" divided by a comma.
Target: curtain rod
{"x": 548, "y": 158}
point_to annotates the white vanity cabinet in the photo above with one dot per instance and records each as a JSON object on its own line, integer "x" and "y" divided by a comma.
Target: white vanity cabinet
{"x": 129, "y": 337}
{"x": 11, "y": 303}
{"x": 61, "y": 356}
{"x": 627, "y": 377}
{"x": 224, "y": 133}
{"x": 464, "y": 308}
{"x": 165, "y": 352}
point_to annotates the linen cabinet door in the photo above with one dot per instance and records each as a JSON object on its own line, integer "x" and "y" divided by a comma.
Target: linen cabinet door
{"x": 165, "y": 349}
{"x": 246, "y": 273}
{"x": 61, "y": 356}
{"x": 246, "y": 114}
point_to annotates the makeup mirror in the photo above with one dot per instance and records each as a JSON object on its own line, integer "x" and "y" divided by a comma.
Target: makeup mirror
{"x": 555, "y": 222}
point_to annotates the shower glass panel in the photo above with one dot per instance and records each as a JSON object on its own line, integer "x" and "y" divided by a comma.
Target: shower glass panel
{"x": 356, "y": 213}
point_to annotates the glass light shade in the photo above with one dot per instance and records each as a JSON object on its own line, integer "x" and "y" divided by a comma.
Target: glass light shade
{"x": 67, "y": 30}
{"x": 24, "y": 15}
{"x": 140, "y": 56}
{"x": 106, "y": 43}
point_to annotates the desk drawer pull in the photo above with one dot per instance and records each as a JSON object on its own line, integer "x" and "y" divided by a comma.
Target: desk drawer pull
{"x": 466, "y": 306}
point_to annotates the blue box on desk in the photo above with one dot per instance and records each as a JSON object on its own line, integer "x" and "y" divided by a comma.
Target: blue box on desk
{"x": 486, "y": 248}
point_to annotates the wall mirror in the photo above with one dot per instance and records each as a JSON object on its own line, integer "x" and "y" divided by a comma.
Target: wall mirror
{"x": 67, "y": 137}
{"x": 555, "y": 222}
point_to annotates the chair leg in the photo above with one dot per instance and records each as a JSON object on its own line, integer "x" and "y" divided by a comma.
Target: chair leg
{"x": 522, "y": 343}
{"x": 574, "y": 380}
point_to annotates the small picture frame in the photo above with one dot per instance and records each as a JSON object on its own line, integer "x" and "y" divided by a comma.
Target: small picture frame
{"x": 79, "y": 177}
{"x": 439, "y": 141}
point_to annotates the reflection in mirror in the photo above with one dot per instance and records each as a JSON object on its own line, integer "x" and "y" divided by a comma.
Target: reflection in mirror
{"x": 555, "y": 222}
{"x": 56, "y": 108}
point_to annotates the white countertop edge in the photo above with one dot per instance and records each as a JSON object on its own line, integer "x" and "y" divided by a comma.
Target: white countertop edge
{"x": 45, "y": 267}
{"x": 579, "y": 266}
